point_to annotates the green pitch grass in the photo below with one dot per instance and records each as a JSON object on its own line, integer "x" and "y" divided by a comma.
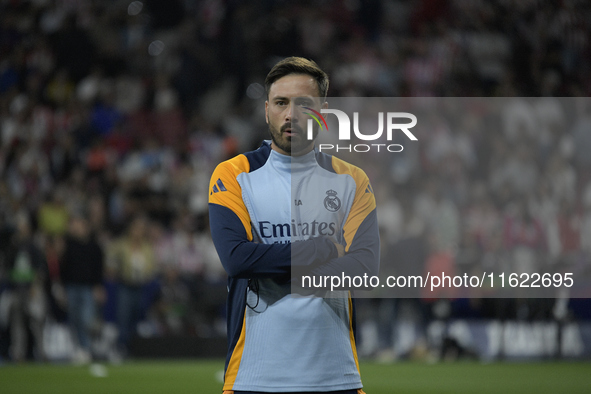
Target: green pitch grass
{"x": 203, "y": 377}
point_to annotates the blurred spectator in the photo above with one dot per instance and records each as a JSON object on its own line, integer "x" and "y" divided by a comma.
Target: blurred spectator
{"x": 27, "y": 270}
{"x": 444, "y": 224}
{"x": 60, "y": 89}
{"x": 519, "y": 172}
{"x": 568, "y": 224}
{"x": 524, "y": 238}
{"x": 81, "y": 273}
{"x": 582, "y": 139}
{"x": 53, "y": 215}
{"x": 105, "y": 116}
{"x": 408, "y": 257}
{"x": 131, "y": 263}
{"x": 586, "y": 223}
{"x": 481, "y": 219}
{"x": 562, "y": 179}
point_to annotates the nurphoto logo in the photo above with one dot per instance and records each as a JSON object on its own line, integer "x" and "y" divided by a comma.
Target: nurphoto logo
{"x": 391, "y": 119}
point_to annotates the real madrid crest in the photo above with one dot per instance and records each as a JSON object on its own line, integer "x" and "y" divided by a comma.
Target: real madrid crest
{"x": 332, "y": 202}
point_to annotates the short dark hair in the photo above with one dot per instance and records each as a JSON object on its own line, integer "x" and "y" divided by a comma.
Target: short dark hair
{"x": 298, "y": 65}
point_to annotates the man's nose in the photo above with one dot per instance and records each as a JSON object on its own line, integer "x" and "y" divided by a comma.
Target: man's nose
{"x": 290, "y": 115}
{"x": 289, "y": 112}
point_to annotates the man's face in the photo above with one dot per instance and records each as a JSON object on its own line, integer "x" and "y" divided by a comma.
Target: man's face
{"x": 283, "y": 111}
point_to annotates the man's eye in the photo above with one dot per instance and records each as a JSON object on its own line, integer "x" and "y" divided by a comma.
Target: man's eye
{"x": 280, "y": 103}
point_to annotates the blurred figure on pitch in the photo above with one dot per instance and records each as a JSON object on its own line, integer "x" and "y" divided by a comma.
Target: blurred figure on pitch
{"x": 81, "y": 273}
{"x": 27, "y": 269}
{"x": 131, "y": 263}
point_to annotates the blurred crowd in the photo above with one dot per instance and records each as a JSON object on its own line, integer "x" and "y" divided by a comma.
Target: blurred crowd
{"x": 494, "y": 186}
{"x": 113, "y": 115}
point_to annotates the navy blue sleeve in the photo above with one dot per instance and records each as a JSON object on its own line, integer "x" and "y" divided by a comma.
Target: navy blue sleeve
{"x": 242, "y": 258}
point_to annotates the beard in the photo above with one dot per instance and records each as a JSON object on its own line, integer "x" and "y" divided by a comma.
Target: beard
{"x": 294, "y": 144}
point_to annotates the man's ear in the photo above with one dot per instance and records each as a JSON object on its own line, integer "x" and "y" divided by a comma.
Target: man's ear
{"x": 267, "y": 111}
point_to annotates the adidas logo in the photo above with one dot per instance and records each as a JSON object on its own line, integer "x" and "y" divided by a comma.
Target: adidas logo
{"x": 218, "y": 187}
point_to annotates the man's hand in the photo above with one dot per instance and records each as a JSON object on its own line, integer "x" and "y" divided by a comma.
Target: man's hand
{"x": 340, "y": 249}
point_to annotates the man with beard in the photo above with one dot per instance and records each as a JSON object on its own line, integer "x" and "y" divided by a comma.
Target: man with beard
{"x": 281, "y": 210}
